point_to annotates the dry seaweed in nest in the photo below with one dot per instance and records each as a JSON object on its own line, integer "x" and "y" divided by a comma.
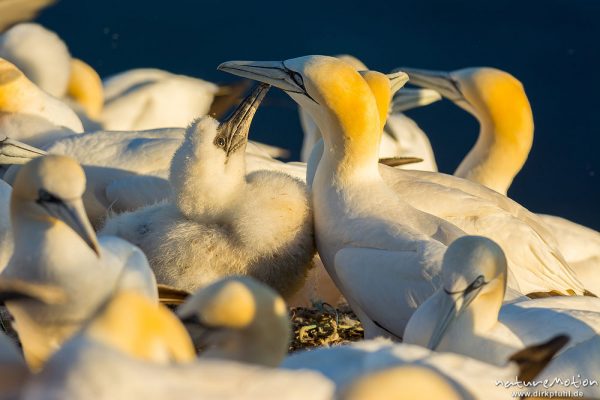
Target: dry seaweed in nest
{"x": 323, "y": 325}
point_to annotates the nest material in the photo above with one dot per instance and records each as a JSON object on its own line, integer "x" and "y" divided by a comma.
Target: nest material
{"x": 323, "y": 326}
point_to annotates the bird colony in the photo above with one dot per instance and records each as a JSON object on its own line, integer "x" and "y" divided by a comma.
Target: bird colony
{"x": 150, "y": 250}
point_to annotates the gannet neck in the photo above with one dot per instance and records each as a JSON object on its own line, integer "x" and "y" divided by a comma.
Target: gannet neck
{"x": 85, "y": 87}
{"x": 136, "y": 326}
{"x": 205, "y": 183}
{"x": 348, "y": 118}
{"x": 500, "y": 104}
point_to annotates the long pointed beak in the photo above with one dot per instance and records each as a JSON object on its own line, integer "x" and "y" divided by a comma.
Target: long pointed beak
{"x": 237, "y": 125}
{"x": 454, "y": 304}
{"x": 407, "y": 99}
{"x": 15, "y": 152}
{"x": 73, "y": 214}
{"x": 272, "y": 72}
{"x": 439, "y": 81}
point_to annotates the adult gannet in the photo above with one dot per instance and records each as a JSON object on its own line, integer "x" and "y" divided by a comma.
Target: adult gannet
{"x": 240, "y": 319}
{"x": 401, "y": 135}
{"x": 466, "y": 314}
{"x": 472, "y": 378}
{"x": 134, "y": 349}
{"x": 222, "y": 221}
{"x": 54, "y": 243}
{"x": 365, "y": 216}
{"x": 499, "y": 102}
{"x": 45, "y": 59}
{"x": 29, "y": 114}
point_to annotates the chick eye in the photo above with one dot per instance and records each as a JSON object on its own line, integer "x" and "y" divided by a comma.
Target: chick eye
{"x": 220, "y": 142}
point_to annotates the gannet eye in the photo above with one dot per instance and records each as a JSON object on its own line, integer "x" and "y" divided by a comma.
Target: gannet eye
{"x": 220, "y": 142}
{"x": 297, "y": 78}
{"x": 46, "y": 197}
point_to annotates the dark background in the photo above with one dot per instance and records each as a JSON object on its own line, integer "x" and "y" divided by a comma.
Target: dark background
{"x": 550, "y": 45}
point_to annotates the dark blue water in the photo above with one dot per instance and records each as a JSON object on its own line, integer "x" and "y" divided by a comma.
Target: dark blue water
{"x": 550, "y": 45}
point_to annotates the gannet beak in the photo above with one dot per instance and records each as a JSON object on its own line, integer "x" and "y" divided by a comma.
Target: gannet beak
{"x": 398, "y": 161}
{"x": 272, "y": 72}
{"x": 454, "y": 304}
{"x": 407, "y": 99}
{"x": 15, "y": 152}
{"x": 236, "y": 127}
{"x": 72, "y": 213}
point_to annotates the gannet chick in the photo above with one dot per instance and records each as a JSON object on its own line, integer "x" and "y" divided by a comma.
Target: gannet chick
{"x": 221, "y": 221}
{"x": 134, "y": 349}
{"x": 240, "y": 319}
{"x": 54, "y": 243}
{"x": 466, "y": 314}
{"x": 499, "y": 103}
{"x": 402, "y": 383}
{"x": 30, "y": 115}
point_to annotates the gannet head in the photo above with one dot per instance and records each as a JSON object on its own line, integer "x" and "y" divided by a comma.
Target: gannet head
{"x": 85, "y": 87}
{"x": 404, "y": 382}
{"x": 489, "y": 94}
{"x": 211, "y": 160}
{"x": 335, "y": 95}
{"x": 40, "y": 54}
{"x": 241, "y": 319}
{"x": 474, "y": 269}
{"x": 140, "y": 328}
{"x": 19, "y": 95}
{"x": 48, "y": 189}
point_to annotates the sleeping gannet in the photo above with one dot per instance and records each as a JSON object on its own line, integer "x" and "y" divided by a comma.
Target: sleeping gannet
{"x": 499, "y": 102}
{"x": 240, "y": 319}
{"x": 466, "y": 315}
{"x": 401, "y": 135}
{"x": 29, "y": 114}
{"x": 221, "y": 220}
{"x": 54, "y": 243}
{"x": 133, "y": 349}
{"x": 389, "y": 217}
{"x": 45, "y": 59}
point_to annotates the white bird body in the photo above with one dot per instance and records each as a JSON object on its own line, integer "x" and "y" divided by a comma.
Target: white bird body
{"x": 142, "y": 99}
{"x": 500, "y": 104}
{"x": 54, "y": 243}
{"x": 366, "y": 220}
{"x": 466, "y": 315}
{"x": 222, "y": 221}
{"x": 344, "y": 364}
